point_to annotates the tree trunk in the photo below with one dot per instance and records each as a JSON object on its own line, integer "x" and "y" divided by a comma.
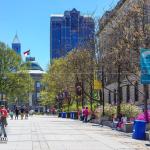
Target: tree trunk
{"x": 77, "y": 104}
{"x": 82, "y": 97}
{"x": 100, "y": 97}
{"x": 119, "y": 92}
{"x": 91, "y": 99}
{"x": 103, "y": 95}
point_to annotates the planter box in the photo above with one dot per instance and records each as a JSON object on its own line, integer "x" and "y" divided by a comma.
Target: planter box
{"x": 127, "y": 127}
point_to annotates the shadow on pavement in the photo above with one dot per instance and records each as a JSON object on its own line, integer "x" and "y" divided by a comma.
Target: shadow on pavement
{"x": 147, "y": 145}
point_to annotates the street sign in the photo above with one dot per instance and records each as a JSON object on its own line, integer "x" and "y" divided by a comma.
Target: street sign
{"x": 97, "y": 85}
{"x": 145, "y": 65}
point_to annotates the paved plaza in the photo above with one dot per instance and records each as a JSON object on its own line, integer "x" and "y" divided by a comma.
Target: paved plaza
{"x": 52, "y": 133}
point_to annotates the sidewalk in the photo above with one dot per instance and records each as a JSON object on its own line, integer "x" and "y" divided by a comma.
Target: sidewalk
{"x": 52, "y": 133}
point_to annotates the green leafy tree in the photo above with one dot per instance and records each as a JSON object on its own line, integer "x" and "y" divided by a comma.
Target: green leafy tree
{"x": 63, "y": 75}
{"x": 15, "y": 82}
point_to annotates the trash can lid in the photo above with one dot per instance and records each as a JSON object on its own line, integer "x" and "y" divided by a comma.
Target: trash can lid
{"x": 140, "y": 121}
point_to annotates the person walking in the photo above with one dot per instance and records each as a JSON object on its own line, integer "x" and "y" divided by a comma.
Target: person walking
{"x": 4, "y": 114}
{"x": 86, "y": 113}
{"x": 114, "y": 122}
{"x": 3, "y": 122}
{"x": 22, "y": 112}
{"x": 16, "y": 113}
{"x": 83, "y": 114}
{"x": 26, "y": 112}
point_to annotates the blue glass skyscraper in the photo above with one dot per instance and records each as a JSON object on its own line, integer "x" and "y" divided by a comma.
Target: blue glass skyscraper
{"x": 16, "y": 46}
{"x": 70, "y": 31}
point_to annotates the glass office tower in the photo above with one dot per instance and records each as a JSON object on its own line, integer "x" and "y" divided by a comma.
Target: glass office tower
{"x": 70, "y": 31}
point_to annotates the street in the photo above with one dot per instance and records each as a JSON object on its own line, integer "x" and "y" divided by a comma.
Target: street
{"x": 52, "y": 133}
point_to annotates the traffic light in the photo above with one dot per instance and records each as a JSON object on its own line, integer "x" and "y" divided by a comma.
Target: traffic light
{"x": 79, "y": 88}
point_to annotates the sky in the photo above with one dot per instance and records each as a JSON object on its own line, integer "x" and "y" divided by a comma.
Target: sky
{"x": 30, "y": 19}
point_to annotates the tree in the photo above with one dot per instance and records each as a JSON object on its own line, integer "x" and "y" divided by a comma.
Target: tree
{"x": 122, "y": 39}
{"x": 54, "y": 80}
{"x": 14, "y": 80}
{"x": 82, "y": 63}
{"x": 20, "y": 85}
{"x": 63, "y": 76}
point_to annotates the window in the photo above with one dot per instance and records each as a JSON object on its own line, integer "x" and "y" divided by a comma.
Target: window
{"x": 115, "y": 96}
{"x": 136, "y": 92}
{"x": 109, "y": 97}
{"x": 128, "y": 93}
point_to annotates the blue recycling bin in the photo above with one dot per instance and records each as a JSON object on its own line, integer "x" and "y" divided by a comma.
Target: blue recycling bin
{"x": 71, "y": 115}
{"x": 74, "y": 115}
{"x": 139, "y": 129}
{"x": 64, "y": 115}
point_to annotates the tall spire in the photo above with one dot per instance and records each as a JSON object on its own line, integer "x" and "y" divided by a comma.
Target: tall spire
{"x": 16, "y": 39}
{"x": 16, "y": 45}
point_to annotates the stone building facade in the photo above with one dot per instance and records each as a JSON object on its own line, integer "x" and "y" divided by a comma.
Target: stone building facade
{"x": 134, "y": 17}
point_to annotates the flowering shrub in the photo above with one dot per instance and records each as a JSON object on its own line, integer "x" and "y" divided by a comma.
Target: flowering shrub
{"x": 129, "y": 110}
{"x": 109, "y": 110}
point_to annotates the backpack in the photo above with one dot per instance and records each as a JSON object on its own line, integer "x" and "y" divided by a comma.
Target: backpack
{"x": 4, "y": 112}
{"x": 3, "y": 118}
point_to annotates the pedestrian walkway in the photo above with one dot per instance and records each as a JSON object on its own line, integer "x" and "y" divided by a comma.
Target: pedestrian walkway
{"x": 52, "y": 133}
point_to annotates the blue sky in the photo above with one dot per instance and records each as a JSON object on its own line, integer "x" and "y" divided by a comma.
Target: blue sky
{"x": 31, "y": 20}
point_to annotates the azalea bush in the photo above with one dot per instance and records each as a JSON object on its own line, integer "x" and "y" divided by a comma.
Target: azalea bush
{"x": 109, "y": 110}
{"x": 130, "y": 110}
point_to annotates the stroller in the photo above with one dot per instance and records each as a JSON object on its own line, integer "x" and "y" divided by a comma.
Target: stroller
{"x": 3, "y": 134}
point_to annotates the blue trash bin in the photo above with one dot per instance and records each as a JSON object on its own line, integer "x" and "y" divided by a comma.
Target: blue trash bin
{"x": 75, "y": 115}
{"x": 139, "y": 129}
{"x": 64, "y": 115}
{"x": 71, "y": 115}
